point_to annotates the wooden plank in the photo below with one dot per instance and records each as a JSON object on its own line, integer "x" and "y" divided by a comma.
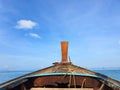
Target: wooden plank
{"x": 61, "y": 89}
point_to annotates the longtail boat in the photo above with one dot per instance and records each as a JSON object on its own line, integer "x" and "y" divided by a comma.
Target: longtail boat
{"x": 62, "y": 76}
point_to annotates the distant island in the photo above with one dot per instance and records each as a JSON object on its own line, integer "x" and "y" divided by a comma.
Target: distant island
{"x": 106, "y": 68}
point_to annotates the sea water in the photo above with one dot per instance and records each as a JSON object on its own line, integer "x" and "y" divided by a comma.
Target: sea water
{"x": 115, "y": 74}
{"x": 8, "y": 75}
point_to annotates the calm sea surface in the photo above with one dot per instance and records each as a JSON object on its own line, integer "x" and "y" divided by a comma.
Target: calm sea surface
{"x": 8, "y": 75}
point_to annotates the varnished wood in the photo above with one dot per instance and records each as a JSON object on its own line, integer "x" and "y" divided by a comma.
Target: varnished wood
{"x": 64, "y": 50}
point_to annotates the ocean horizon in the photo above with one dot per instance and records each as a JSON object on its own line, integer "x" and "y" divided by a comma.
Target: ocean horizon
{"x": 8, "y": 75}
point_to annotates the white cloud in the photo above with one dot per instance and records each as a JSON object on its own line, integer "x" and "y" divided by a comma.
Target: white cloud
{"x": 25, "y": 24}
{"x": 34, "y": 35}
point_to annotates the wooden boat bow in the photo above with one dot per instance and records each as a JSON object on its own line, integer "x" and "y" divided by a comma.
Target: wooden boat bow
{"x": 62, "y": 76}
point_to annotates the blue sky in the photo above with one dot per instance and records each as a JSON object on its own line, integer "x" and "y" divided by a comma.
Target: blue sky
{"x": 31, "y": 32}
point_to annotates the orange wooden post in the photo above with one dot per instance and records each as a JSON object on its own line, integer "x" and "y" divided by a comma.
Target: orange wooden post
{"x": 64, "y": 50}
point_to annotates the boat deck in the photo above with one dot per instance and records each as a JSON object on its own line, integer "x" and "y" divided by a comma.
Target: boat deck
{"x": 61, "y": 89}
